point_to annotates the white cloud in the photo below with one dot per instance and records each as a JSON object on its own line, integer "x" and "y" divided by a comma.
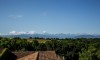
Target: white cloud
{"x": 44, "y": 32}
{"x": 15, "y": 16}
{"x": 31, "y": 32}
{"x": 22, "y": 32}
{"x": 13, "y": 32}
{"x": 16, "y": 33}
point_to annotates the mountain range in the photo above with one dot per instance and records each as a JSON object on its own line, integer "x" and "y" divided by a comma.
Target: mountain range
{"x": 47, "y": 35}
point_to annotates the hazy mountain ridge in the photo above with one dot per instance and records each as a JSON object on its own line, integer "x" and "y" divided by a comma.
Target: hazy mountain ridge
{"x": 47, "y": 35}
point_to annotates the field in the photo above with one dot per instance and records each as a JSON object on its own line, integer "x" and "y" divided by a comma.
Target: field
{"x": 39, "y": 40}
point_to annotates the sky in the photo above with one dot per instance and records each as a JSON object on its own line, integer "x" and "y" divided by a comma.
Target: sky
{"x": 51, "y": 16}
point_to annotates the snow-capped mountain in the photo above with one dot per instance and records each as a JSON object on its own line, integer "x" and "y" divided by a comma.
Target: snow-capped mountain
{"x": 47, "y": 35}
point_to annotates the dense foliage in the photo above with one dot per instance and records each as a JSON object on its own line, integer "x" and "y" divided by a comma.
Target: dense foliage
{"x": 68, "y": 49}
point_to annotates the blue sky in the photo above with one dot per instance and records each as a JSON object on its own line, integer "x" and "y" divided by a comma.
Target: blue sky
{"x": 52, "y": 16}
